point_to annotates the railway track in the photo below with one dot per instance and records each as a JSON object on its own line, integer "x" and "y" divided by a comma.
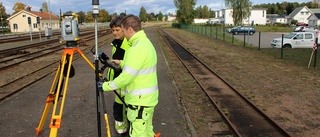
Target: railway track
{"x": 24, "y": 37}
{"x": 35, "y": 35}
{"x": 46, "y": 54}
{"x": 18, "y": 55}
{"x": 242, "y": 117}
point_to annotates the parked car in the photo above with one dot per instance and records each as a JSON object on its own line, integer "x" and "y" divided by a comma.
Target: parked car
{"x": 304, "y": 29}
{"x": 229, "y": 30}
{"x": 295, "y": 40}
{"x": 243, "y": 30}
{"x": 299, "y": 29}
{"x": 301, "y": 24}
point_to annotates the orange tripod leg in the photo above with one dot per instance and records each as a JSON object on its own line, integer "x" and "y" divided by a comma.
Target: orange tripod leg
{"x": 49, "y": 101}
{"x": 57, "y": 116}
{"x": 54, "y": 95}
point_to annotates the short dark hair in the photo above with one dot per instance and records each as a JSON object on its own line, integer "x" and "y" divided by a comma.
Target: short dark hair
{"x": 116, "y": 22}
{"x": 131, "y": 21}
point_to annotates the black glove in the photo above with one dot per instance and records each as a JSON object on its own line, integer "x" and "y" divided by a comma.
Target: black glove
{"x": 99, "y": 84}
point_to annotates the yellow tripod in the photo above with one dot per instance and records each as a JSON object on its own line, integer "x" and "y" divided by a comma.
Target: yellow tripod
{"x": 55, "y": 93}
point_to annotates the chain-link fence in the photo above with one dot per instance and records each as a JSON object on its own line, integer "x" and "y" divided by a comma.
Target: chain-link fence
{"x": 300, "y": 56}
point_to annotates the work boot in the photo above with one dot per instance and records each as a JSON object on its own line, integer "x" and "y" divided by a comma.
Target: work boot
{"x": 121, "y": 127}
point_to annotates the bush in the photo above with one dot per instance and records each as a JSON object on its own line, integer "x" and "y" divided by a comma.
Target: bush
{"x": 294, "y": 22}
{"x": 176, "y": 25}
{"x": 280, "y": 24}
{"x": 6, "y": 30}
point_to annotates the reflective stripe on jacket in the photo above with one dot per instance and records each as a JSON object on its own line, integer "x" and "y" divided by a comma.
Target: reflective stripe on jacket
{"x": 139, "y": 75}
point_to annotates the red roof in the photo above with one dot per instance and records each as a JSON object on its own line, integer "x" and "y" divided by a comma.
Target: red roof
{"x": 44, "y": 15}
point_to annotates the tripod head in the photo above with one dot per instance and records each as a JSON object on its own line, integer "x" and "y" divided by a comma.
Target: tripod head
{"x": 69, "y": 29}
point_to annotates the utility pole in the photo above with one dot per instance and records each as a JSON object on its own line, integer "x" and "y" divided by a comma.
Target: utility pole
{"x": 249, "y": 26}
{"x": 49, "y": 12}
{"x": 1, "y": 21}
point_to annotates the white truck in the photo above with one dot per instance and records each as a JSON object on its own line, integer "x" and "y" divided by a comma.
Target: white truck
{"x": 295, "y": 40}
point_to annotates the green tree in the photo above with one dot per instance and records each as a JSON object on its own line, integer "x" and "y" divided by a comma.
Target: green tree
{"x": 45, "y": 7}
{"x": 205, "y": 12}
{"x": 160, "y": 16}
{"x": 3, "y": 15}
{"x": 151, "y": 17}
{"x": 143, "y": 14}
{"x": 294, "y": 22}
{"x": 81, "y": 16}
{"x": 240, "y": 10}
{"x": 18, "y": 6}
{"x": 185, "y": 12}
{"x": 211, "y": 14}
{"x": 2, "y": 10}
{"x": 103, "y": 16}
{"x": 198, "y": 12}
{"x": 89, "y": 18}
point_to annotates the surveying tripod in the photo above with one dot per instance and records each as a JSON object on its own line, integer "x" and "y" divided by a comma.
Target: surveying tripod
{"x": 59, "y": 90}
{"x": 65, "y": 70}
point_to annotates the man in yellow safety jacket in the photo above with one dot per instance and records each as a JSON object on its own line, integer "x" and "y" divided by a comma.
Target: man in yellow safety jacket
{"x": 139, "y": 77}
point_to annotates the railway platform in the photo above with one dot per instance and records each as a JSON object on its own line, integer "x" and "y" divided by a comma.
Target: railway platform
{"x": 21, "y": 113}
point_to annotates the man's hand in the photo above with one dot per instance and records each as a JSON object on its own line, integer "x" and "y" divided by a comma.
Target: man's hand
{"x": 116, "y": 62}
{"x": 99, "y": 84}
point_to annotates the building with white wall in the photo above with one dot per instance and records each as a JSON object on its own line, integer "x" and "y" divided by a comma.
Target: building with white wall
{"x": 257, "y": 16}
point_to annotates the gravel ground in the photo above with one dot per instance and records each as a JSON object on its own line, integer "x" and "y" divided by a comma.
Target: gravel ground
{"x": 287, "y": 93}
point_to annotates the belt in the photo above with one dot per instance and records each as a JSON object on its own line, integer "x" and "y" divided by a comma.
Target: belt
{"x": 134, "y": 107}
{"x": 141, "y": 108}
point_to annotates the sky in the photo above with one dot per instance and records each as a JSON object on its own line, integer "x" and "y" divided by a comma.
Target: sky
{"x": 120, "y": 6}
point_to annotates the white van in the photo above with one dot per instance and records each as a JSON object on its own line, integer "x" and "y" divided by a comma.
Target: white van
{"x": 295, "y": 40}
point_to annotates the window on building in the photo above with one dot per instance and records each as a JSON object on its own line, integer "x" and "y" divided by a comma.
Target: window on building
{"x": 262, "y": 13}
{"x": 35, "y": 25}
{"x": 302, "y": 13}
{"x": 15, "y": 26}
{"x": 307, "y": 13}
{"x": 23, "y": 15}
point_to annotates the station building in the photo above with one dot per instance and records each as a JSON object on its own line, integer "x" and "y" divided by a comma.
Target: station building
{"x": 19, "y": 21}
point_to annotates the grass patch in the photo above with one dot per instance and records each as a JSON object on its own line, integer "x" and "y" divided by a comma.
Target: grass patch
{"x": 299, "y": 57}
{"x": 272, "y": 29}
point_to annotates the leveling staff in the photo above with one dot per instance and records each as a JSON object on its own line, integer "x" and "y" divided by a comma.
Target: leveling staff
{"x": 139, "y": 77}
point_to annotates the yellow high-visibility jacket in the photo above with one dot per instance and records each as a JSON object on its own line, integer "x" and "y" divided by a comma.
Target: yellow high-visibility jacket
{"x": 119, "y": 48}
{"x": 139, "y": 74}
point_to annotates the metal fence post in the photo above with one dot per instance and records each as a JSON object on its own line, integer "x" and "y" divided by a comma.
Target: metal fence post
{"x": 244, "y": 40}
{"x": 315, "y": 54}
{"x": 282, "y": 45}
{"x": 216, "y": 33}
{"x": 259, "y": 40}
